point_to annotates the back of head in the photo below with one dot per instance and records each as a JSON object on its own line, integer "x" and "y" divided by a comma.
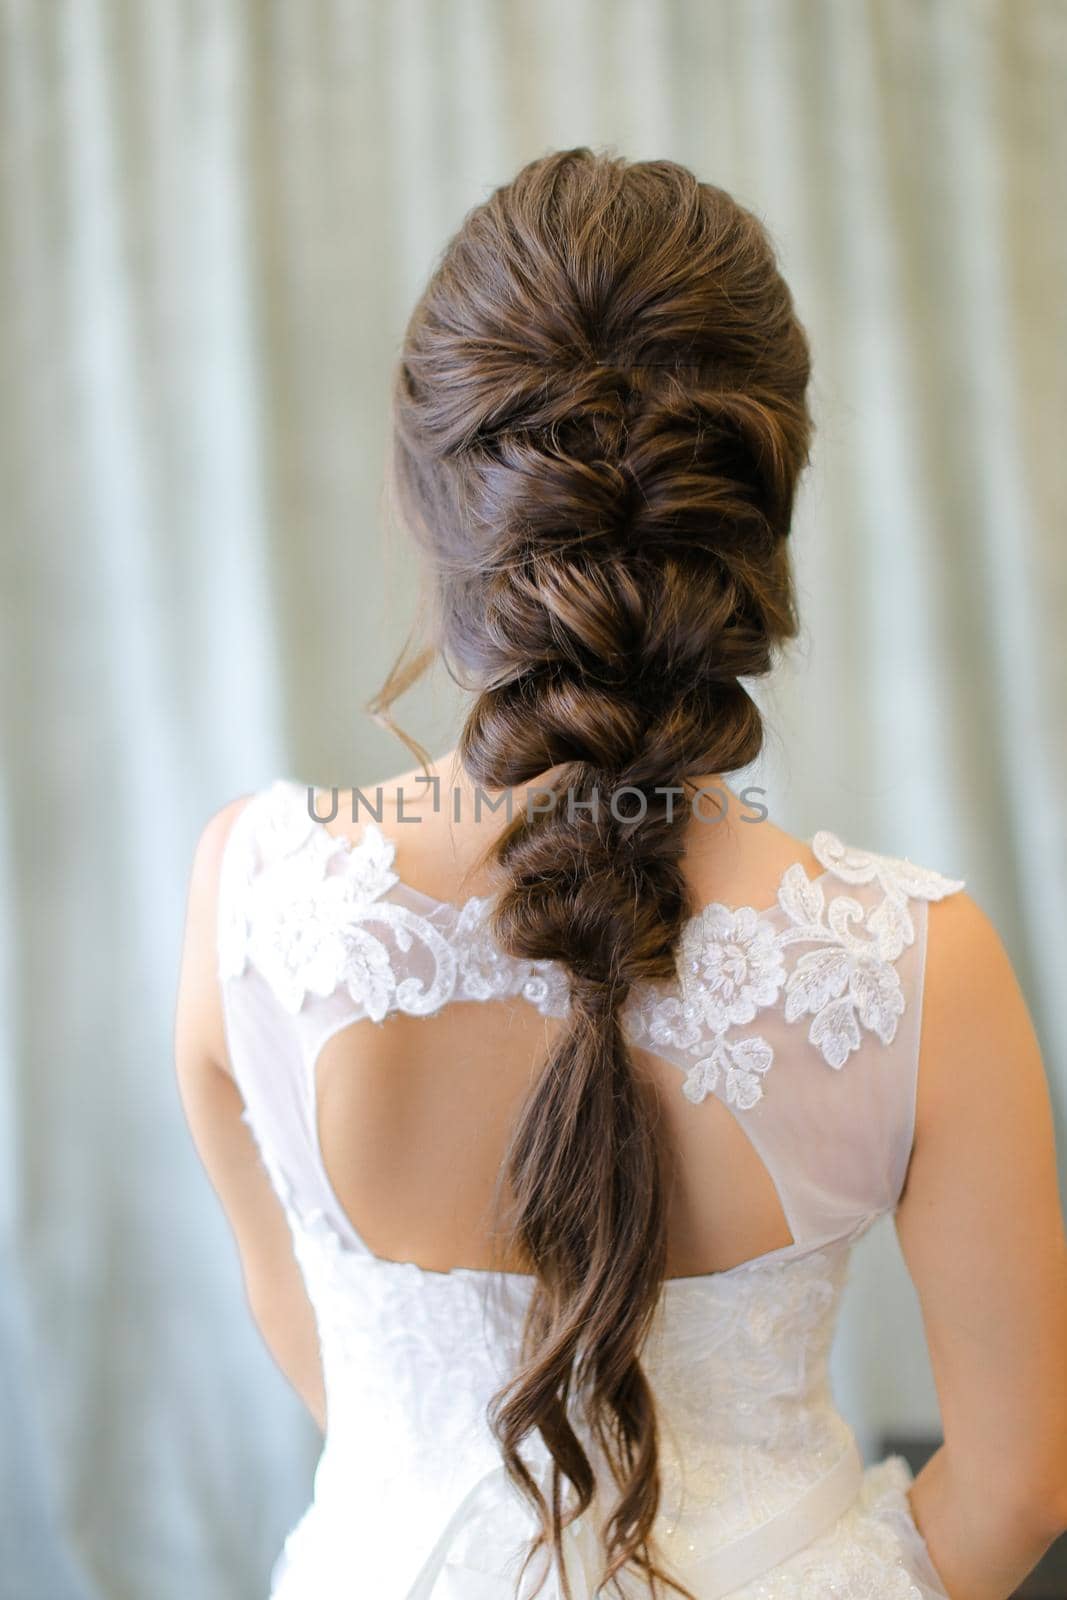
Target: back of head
{"x": 600, "y": 422}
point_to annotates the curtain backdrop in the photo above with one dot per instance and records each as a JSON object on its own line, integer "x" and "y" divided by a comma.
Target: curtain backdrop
{"x": 215, "y": 216}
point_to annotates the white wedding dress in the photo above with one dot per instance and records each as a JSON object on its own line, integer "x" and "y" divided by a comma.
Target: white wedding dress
{"x": 803, "y": 1018}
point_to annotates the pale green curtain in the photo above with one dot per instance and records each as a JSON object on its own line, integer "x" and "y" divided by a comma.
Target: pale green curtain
{"x": 214, "y": 217}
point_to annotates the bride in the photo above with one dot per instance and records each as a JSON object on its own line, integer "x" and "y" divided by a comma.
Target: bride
{"x": 548, "y": 1087}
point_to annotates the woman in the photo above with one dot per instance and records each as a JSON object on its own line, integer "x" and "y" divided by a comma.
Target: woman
{"x": 545, "y": 1139}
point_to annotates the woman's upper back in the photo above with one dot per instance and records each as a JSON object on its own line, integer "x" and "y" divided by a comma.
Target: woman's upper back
{"x": 783, "y": 1058}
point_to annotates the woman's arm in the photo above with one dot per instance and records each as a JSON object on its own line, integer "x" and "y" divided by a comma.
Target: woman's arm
{"x": 982, "y": 1233}
{"x": 273, "y": 1284}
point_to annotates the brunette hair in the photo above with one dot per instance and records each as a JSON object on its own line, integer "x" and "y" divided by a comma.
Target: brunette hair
{"x": 600, "y": 421}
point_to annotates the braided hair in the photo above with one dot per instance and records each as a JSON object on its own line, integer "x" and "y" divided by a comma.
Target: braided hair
{"x": 600, "y": 419}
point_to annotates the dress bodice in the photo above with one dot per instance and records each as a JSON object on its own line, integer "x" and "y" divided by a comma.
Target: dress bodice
{"x": 802, "y": 1018}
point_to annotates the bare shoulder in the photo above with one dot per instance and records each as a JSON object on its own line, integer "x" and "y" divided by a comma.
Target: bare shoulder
{"x": 959, "y": 927}
{"x": 977, "y": 1032}
{"x": 199, "y": 1030}
{"x": 211, "y": 847}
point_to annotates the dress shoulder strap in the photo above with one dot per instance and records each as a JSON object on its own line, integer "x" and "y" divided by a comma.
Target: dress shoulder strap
{"x": 805, "y": 1019}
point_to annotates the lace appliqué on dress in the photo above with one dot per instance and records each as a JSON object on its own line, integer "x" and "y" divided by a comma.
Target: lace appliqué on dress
{"x": 306, "y": 909}
{"x": 486, "y": 972}
{"x": 732, "y": 964}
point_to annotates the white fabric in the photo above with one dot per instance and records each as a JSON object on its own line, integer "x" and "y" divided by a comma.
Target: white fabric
{"x": 215, "y": 220}
{"x": 802, "y": 1016}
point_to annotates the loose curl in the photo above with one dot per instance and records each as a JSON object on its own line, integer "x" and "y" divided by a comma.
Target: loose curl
{"x": 600, "y": 422}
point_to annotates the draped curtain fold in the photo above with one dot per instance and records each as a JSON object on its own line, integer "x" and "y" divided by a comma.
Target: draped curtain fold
{"x": 214, "y": 219}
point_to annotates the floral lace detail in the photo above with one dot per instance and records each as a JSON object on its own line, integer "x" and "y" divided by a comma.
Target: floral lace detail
{"x": 308, "y": 910}
{"x": 283, "y": 911}
{"x": 852, "y": 980}
{"x": 309, "y": 930}
{"x": 732, "y": 964}
{"x": 729, "y": 966}
{"x": 486, "y": 973}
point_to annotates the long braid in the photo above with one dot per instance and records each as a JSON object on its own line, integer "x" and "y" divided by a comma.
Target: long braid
{"x": 608, "y": 898}
{"x": 607, "y": 536}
